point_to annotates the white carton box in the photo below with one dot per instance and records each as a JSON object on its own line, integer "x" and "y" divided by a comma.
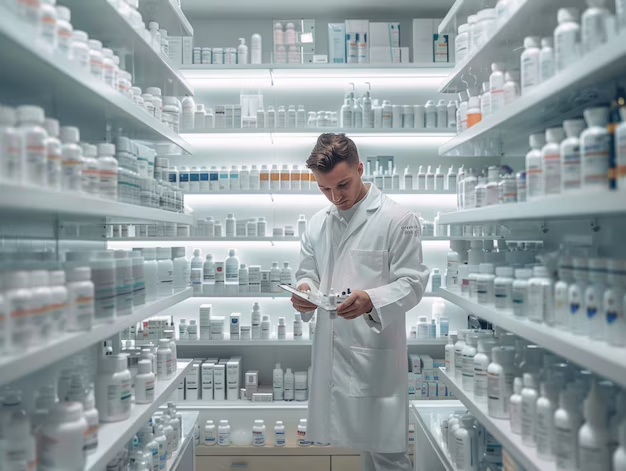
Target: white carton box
{"x": 207, "y": 380}
{"x": 384, "y": 34}
{"x": 192, "y": 382}
{"x": 428, "y": 45}
{"x": 415, "y": 363}
{"x": 181, "y": 390}
{"x": 219, "y": 382}
{"x": 187, "y": 50}
{"x": 233, "y": 376}
{"x": 337, "y": 43}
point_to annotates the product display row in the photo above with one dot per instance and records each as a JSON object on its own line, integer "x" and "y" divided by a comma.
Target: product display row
{"x": 223, "y": 435}
{"x": 567, "y": 414}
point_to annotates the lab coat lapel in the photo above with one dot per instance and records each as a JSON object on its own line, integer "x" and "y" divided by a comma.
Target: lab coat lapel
{"x": 365, "y": 210}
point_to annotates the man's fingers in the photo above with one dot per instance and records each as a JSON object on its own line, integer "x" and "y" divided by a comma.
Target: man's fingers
{"x": 342, "y": 308}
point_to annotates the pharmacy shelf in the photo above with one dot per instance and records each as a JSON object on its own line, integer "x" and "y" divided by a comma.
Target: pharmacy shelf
{"x": 499, "y": 428}
{"x": 532, "y": 18}
{"x": 269, "y": 450}
{"x": 240, "y": 405}
{"x": 458, "y": 13}
{"x": 16, "y": 366}
{"x": 203, "y": 239}
{"x": 33, "y": 200}
{"x": 190, "y": 421}
{"x": 588, "y": 82}
{"x": 112, "y": 437}
{"x": 416, "y": 68}
{"x": 168, "y": 14}
{"x": 149, "y": 68}
{"x": 429, "y": 416}
{"x": 317, "y": 192}
{"x": 283, "y": 294}
{"x": 594, "y": 355}
{"x": 78, "y": 98}
{"x": 288, "y": 343}
{"x": 315, "y": 132}
{"x": 565, "y": 207}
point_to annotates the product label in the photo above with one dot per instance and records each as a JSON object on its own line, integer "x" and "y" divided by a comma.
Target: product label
{"x": 223, "y": 438}
{"x": 91, "y": 438}
{"x": 595, "y": 160}
{"x": 518, "y": 299}
{"x": 502, "y": 295}
{"x": 566, "y": 448}
{"x": 528, "y": 419}
{"x": 64, "y": 40}
{"x": 515, "y": 412}
{"x": 530, "y": 72}
{"x": 534, "y": 178}
{"x": 592, "y": 303}
{"x": 258, "y": 438}
{"x": 570, "y": 153}
{"x": 209, "y": 438}
{"x": 280, "y": 438}
{"x": 96, "y": 66}
{"x": 594, "y": 458}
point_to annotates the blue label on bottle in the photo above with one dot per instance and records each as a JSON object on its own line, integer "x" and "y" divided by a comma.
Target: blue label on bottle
{"x": 184, "y": 177}
{"x": 194, "y": 177}
{"x": 173, "y": 178}
{"x": 574, "y": 308}
{"x": 204, "y": 177}
{"x": 591, "y": 312}
{"x": 611, "y": 317}
{"x": 213, "y": 177}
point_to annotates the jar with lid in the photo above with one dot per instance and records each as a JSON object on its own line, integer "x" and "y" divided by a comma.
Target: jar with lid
{"x": 63, "y": 437}
{"x": 96, "y": 59}
{"x": 503, "y": 288}
{"x": 461, "y": 43}
{"x": 486, "y": 26}
{"x": 540, "y": 296}
{"x": 519, "y": 292}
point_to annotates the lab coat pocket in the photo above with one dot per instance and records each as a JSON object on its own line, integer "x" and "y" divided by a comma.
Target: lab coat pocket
{"x": 373, "y": 372}
{"x": 369, "y": 267}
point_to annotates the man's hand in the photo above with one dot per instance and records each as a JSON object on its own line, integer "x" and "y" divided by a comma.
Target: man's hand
{"x": 357, "y": 304}
{"x": 302, "y": 305}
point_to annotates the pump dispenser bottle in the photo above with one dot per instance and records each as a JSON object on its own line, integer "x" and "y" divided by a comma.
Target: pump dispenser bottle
{"x": 593, "y": 437}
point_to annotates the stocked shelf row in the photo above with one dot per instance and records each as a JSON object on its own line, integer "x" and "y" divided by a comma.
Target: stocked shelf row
{"x": 17, "y": 365}
{"x": 597, "y": 356}
{"x": 288, "y": 343}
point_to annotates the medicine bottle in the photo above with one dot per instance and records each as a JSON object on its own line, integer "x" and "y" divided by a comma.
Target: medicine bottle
{"x": 144, "y": 383}
{"x": 519, "y": 292}
{"x": 485, "y": 284}
{"x": 541, "y": 296}
{"x": 150, "y": 270}
{"x": 164, "y": 360}
{"x": 551, "y": 154}
{"x": 576, "y": 296}
{"x": 34, "y": 136}
{"x": 297, "y": 326}
{"x": 461, "y": 43}
{"x": 40, "y": 304}
{"x": 64, "y": 30}
{"x": 157, "y": 102}
{"x": 473, "y": 281}
{"x": 139, "y": 280}
{"x": 54, "y": 157}
{"x": 210, "y": 433}
{"x": 503, "y": 288}
{"x": 58, "y": 308}
{"x": 496, "y": 87}
{"x": 96, "y": 59}
{"x": 124, "y": 283}
{"x": 546, "y": 60}
{"x": 530, "y": 63}
{"x": 189, "y": 108}
{"x": 500, "y": 376}
{"x": 459, "y": 345}
{"x": 481, "y": 362}
{"x": 529, "y": 404}
{"x": 302, "y": 435}
{"x": 515, "y": 406}
{"x": 80, "y": 299}
{"x": 258, "y": 433}
{"x": 594, "y": 28}
{"x": 165, "y": 271}
{"x": 570, "y": 155}
{"x": 103, "y": 275}
{"x": 110, "y": 69}
{"x": 90, "y": 178}
{"x": 71, "y": 179}
{"x": 511, "y": 87}
{"x": 223, "y": 433}
{"x": 566, "y": 38}
{"x": 594, "y": 296}
{"x": 63, "y": 437}
{"x": 113, "y": 388}
{"x": 466, "y": 441}
{"x": 594, "y": 150}
{"x": 468, "y": 353}
{"x": 79, "y": 50}
{"x": 534, "y": 167}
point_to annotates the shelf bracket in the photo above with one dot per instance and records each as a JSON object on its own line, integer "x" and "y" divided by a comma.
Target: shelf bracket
{"x": 272, "y": 197}
{"x": 272, "y": 242}
{"x": 595, "y": 226}
{"x": 544, "y": 227}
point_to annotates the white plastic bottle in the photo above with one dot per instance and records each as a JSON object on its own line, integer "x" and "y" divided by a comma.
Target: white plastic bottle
{"x": 34, "y": 151}
{"x": 279, "y": 434}
{"x": 500, "y": 376}
{"x": 259, "y": 433}
{"x": 223, "y": 433}
{"x": 593, "y": 436}
{"x": 544, "y": 418}
{"x": 161, "y": 440}
{"x": 278, "y": 383}
{"x": 515, "y": 407}
{"x": 541, "y": 296}
{"x": 529, "y": 63}
{"x": 570, "y": 155}
{"x": 594, "y": 296}
{"x": 594, "y": 150}
{"x": 503, "y": 288}
{"x": 80, "y": 291}
{"x": 594, "y": 25}
{"x": 576, "y": 297}
{"x": 619, "y": 457}
{"x": 256, "y": 52}
{"x": 113, "y": 388}
{"x": 275, "y": 278}
{"x": 242, "y": 52}
{"x": 289, "y": 385}
{"x": 54, "y": 157}
{"x": 566, "y": 38}
{"x": 551, "y": 154}
{"x": 151, "y": 272}
{"x": 303, "y": 440}
{"x": 144, "y": 383}
{"x": 449, "y": 353}
{"x": 546, "y": 59}
{"x": 496, "y": 87}
{"x": 481, "y": 362}
{"x": 210, "y": 433}
{"x": 63, "y": 437}
{"x": 165, "y": 271}
{"x": 534, "y": 166}
{"x": 164, "y": 360}
{"x": 71, "y": 179}
{"x": 485, "y": 283}
{"x": 297, "y": 326}
{"x": 511, "y": 87}
{"x": 529, "y": 407}
{"x": 466, "y": 446}
{"x": 64, "y": 30}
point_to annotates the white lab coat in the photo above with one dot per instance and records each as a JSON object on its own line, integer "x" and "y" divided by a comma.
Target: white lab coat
{"x": 359, "y": 388}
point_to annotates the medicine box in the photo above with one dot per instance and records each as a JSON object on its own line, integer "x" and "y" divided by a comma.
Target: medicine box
{"x": 206, "y": 374}
{"x": 233, "y": 378}
{"x": 263, "y": 397}
{"x": 192, "y": 381}
{"x": 428, "y": 44}
{"x": 187, "y": 50}
{"x": 336, "y": 43}
{"x": 383, "y": 34}
{"x": 219, "y": 382}
{"x": 415, "y": 363}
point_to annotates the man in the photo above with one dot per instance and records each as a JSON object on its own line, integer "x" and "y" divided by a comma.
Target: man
{"x": 369, "y": 244}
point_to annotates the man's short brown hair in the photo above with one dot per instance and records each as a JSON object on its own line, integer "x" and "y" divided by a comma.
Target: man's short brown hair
{"x": 330, "y": 150}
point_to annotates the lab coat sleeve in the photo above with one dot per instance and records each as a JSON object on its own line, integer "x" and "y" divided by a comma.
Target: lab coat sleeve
{"x": 408, "y": 276}
{"x": 307, "y": 270}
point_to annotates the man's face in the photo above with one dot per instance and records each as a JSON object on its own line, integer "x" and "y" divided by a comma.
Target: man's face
{"x": 342, "y": 185}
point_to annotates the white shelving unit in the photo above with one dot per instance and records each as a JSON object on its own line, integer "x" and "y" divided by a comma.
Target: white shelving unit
{"x": 190, "y": 421}
{"x": 283, "y": 294}
{"x": 314, "y": 132}
{"x": 112, "y": 437}
{"x": 169, "y": 16}
{"x": 22, "y": 364}
{"x": 43, "y": 201}
{"x": 288, "y": 343}
{"x": 457, "y": 15}
{"x": 31, "y": 65}
{"x": 564, "y": 206}
{"x": 411, "y": 68}
{"x": 506, "y": 131}
{"x": 499, "y": 428}
{"x": 151, "y": 68}
{"x": 316, "y": 192}
{"x": 591, "y": 354}
{"x": 241, "y": 405}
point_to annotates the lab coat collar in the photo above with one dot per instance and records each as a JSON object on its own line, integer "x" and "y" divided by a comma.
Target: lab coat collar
{"x": 372, "y": 202}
